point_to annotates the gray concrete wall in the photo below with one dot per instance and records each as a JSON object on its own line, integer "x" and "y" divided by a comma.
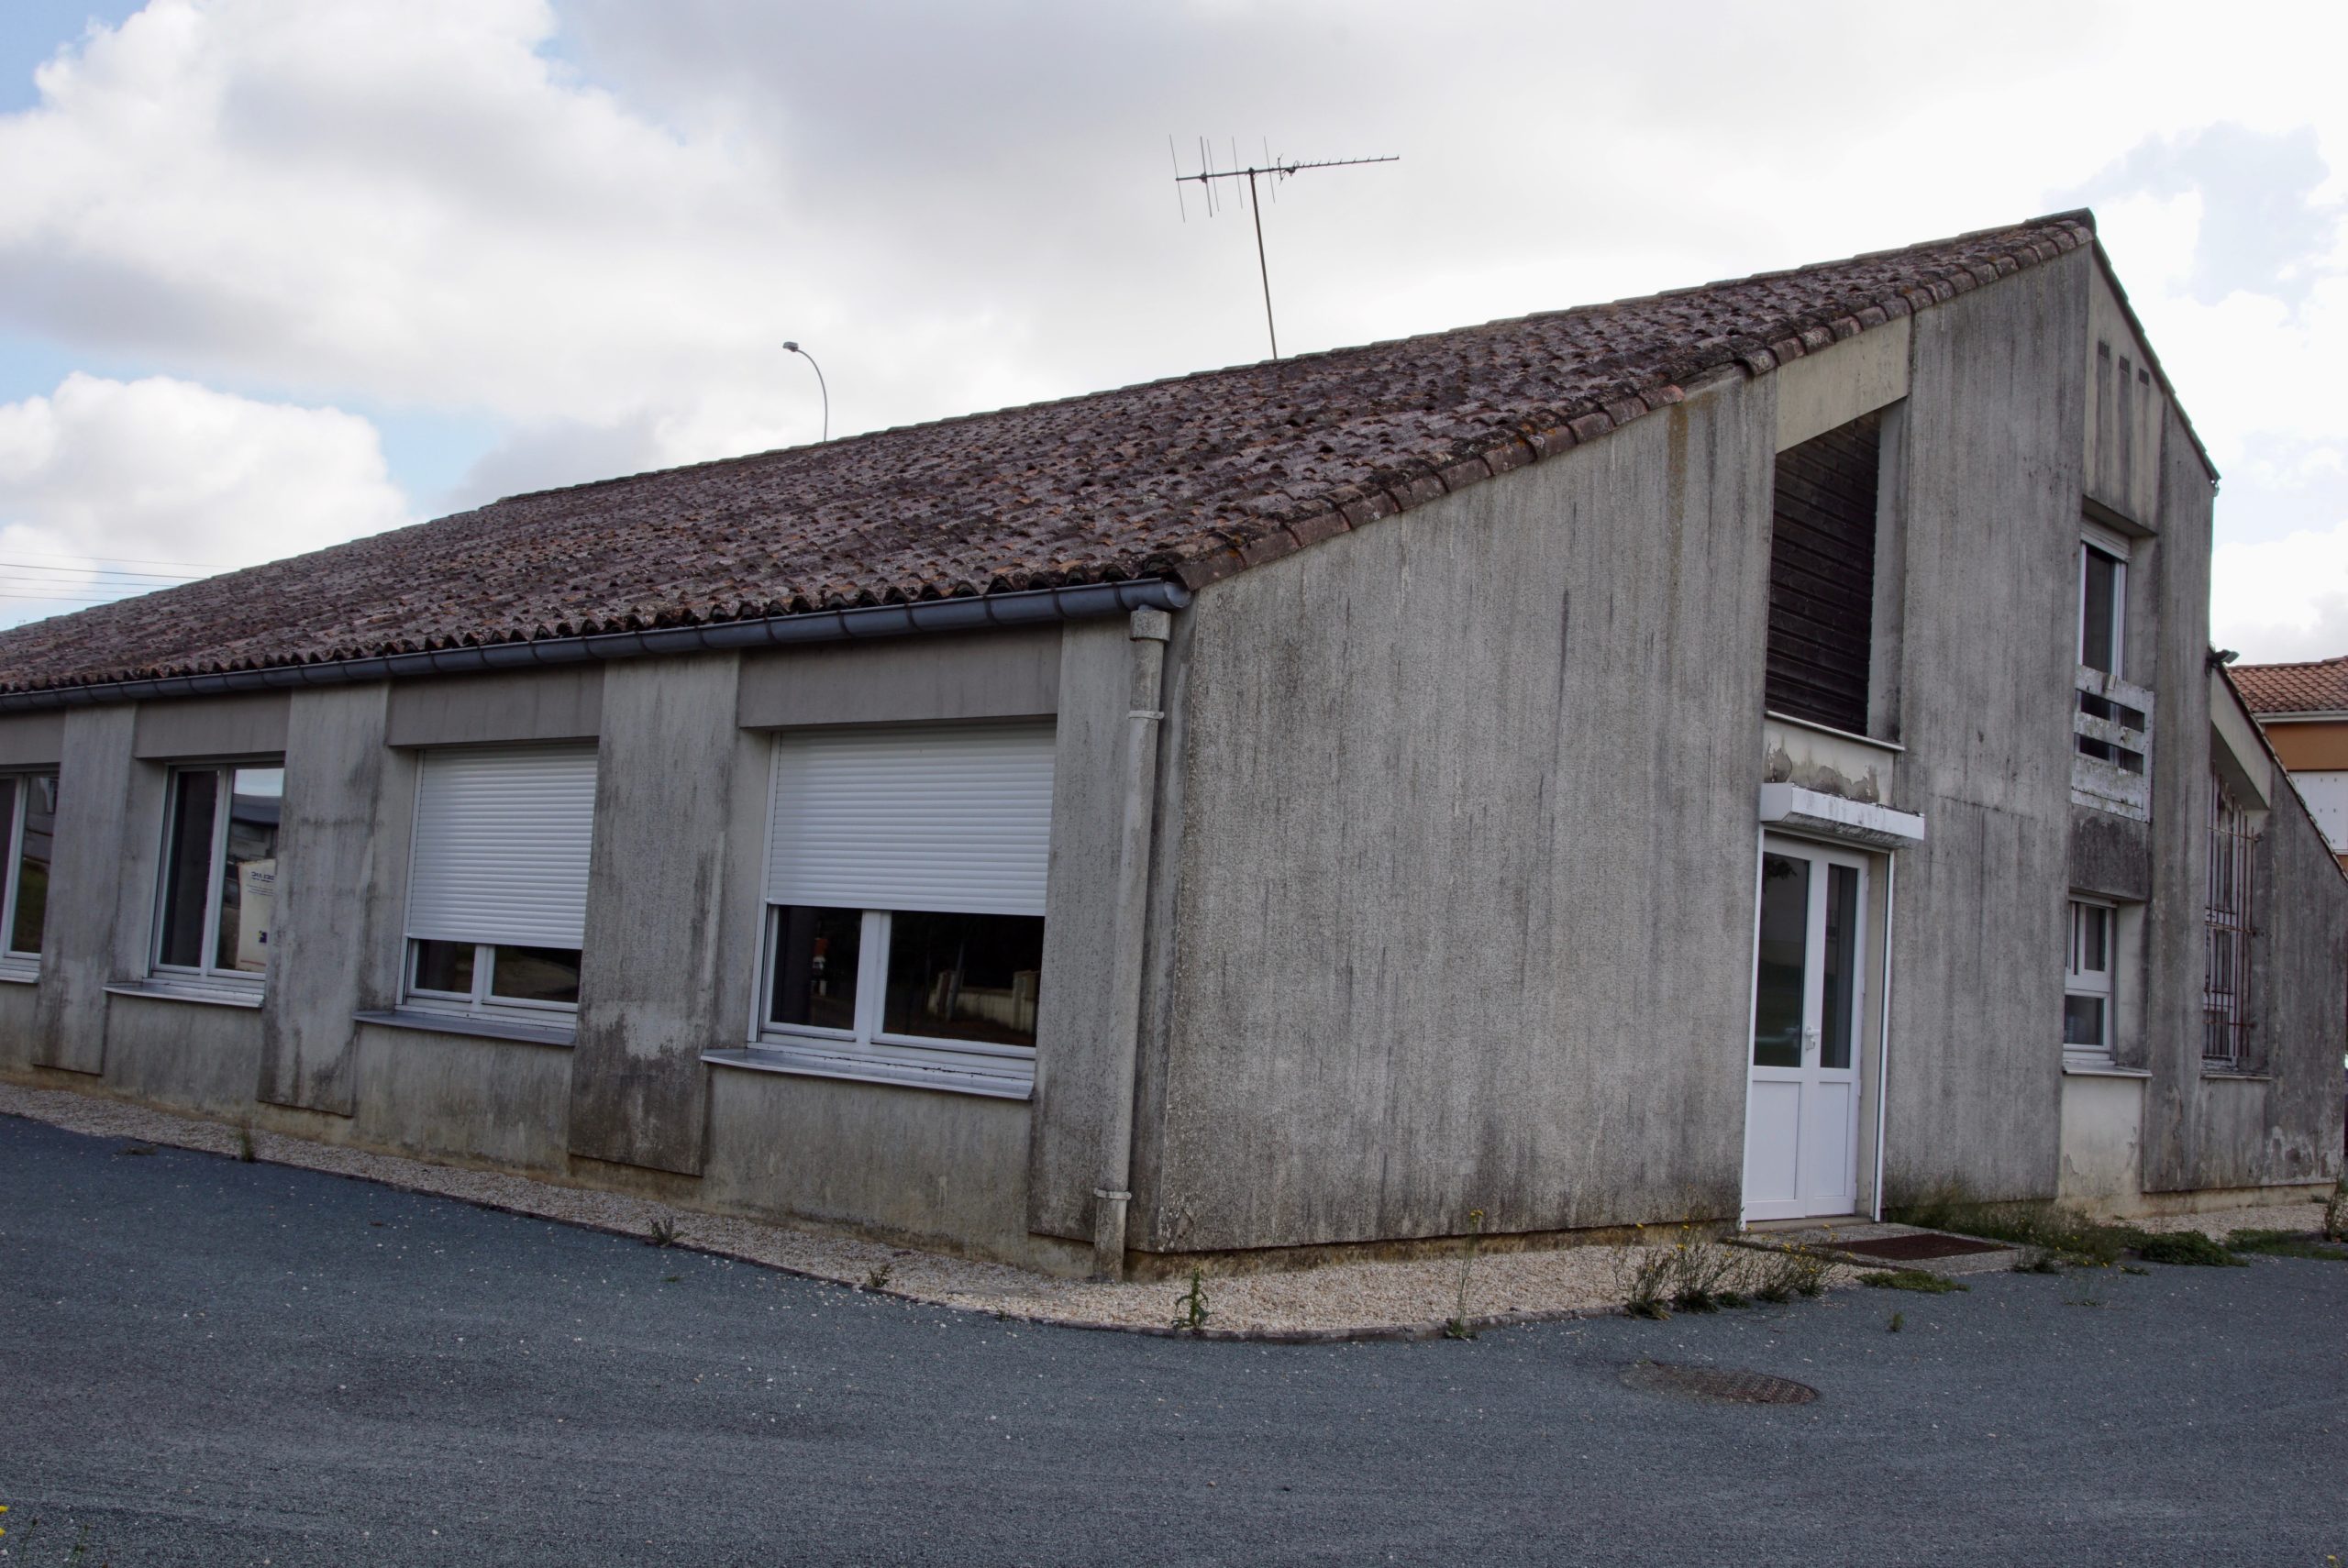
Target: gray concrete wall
{"x": 459, "y": 1097}
{"x": 93, "y": 882}
{"x": 31, "y": 740}
{"x": 666, "y": 972}
{"x": 337, "y": 943}
{"x": 488, "y": 709}
{"x": 184, "y": 1055}
{"x": 1992, "y": 441}
{"x": 194, "y": 728}
{"x": 913, "y": 1164}
{"x": 1465, "y": 911}
{"x": 1074, "y": 1078}
{"x": 977, "y": 675}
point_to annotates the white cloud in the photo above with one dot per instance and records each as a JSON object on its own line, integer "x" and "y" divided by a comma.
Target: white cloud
{"x": 2280, "y": 600}
{"x": 166, "y": 471}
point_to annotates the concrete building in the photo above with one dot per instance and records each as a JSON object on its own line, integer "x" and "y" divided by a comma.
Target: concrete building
{"x": 2304, "y": 710}
{"x": 1750, "y": 751}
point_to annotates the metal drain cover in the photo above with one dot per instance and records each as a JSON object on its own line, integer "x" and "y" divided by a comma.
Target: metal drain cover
{"x": 1731, "y": 1385}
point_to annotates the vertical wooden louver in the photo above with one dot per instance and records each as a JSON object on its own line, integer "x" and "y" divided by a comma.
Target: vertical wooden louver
{"x": 1822, "y": 576}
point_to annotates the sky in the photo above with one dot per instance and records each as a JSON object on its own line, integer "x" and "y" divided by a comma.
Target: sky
{"x": 277, "y": 273}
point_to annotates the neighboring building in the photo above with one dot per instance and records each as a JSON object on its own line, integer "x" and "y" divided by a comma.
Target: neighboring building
{"x": 1747, "y": 753}
{"x": 2304, "y": 710}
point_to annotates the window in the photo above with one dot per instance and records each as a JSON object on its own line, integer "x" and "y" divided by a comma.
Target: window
{"x": 2110, "y": 724}
{"x": 219, "y": 880}
{"x": 2225, "y": 1023}
{"x": 497, "y": 882}
{"x": 2087, "y": 992}
{"x": 1822, "y": 577}
{"x": 28, "y": 822}
{"x": 2103, "y": 603}
{"x": 905, "y": 938}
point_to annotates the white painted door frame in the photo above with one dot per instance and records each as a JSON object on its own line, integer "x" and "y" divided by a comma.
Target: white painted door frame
{"x": 1801, "y": 1137}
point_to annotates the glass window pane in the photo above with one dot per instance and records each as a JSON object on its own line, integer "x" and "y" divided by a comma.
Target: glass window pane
{"x": 1841, "y": 1025}
{"x": 32, "y": 864}
{"x": 2099, "y": 612}
{"x": 815, "y": 953}
{"x": 534, "y": 974}
{"x": 964, "y": 977}
{"x": 2095, "y": 938}
{"x": 248, "y": 871}
{"x": 444, "y": 966}
{"x": 9, "y": 792}
{"x": 1784, "y": 962}
{"x": 187, "y": 868}
{"x": 2083, "y": 1021}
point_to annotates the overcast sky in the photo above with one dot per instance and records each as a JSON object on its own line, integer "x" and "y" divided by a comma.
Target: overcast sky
{"x": 275, "y": 273}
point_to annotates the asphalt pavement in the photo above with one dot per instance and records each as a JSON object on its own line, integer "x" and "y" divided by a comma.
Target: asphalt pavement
{"x": 207, "y": 1361}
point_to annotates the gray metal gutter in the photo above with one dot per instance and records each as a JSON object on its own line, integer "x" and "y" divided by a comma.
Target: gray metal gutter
{"x": 1028, "y": 607}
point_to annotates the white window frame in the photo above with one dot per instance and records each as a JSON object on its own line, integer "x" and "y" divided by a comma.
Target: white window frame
{"x": 480, "y": 1003}
{"x": 206, "y": 975}
{"x": 15, "y": 965}
{"x": 2104, "y": 542}
{"x": 2078, "y": 981}
{"x": 868, "y": 1052}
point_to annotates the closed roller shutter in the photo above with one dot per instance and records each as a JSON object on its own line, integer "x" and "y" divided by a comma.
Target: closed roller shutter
{"x": 502, "y": 842}
{"x": 945, "y": 820}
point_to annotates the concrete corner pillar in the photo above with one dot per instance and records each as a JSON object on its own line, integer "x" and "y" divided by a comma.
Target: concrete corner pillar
{"x": 100, "y": 881}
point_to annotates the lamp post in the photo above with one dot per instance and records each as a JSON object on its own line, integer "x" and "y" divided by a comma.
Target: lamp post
{"x": 820, "y": 387}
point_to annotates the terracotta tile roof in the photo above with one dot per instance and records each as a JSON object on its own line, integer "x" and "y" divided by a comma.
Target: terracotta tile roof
{"x": 1192, "y": 478}
{"x": 2319, "y": 686}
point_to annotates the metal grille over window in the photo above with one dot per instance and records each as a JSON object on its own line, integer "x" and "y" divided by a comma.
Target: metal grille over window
{"x": 2225, "y": 1023}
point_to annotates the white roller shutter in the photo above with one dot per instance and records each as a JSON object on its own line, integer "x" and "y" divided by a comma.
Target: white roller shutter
{"x": 938, "y": 819}
{"x": 502, "y": 841}
{"x": 2327, "y": 798}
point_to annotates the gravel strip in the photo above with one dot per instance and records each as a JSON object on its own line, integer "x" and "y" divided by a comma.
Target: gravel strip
{"x": 1333, "y": 1301}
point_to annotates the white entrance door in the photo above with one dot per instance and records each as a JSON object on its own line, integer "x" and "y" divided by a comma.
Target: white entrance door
{"x": 1801, "y": 1119}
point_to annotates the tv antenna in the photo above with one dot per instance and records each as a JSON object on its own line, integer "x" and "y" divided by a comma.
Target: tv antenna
{"x": 1272, "y": 171}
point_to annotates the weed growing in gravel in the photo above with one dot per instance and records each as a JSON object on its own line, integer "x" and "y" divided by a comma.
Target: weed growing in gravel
{"x": 245, "y": 1145}
{"x": 2038, "y": 1260}
{"x": 663, "y": 1234}
{"x": 1642, "y": 1276}
{"x": 2335, "y": 1213}
{"x": 1786, "y": 1271}
{"x": 878, "y": 1279}
{"x": 2285, "y": 1245}
{"x": 1191, "y": 1307}
{"x": 2063, "y": 1232}
{"x": 2187, "y": 1247}
{"x": 1921, "y": 1280}
{"x": 1702, "y": 1274}
{"x": 2133, "y": 1268}
{"x": 1899, "y": 1322}
{"x": 1458, "y": 1328}
{"x": 134, "y": 1149}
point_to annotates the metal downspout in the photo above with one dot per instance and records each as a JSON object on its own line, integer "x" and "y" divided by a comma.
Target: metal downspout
{"x": 1883, "y": 1037}
{"x": 1149, "y": 630}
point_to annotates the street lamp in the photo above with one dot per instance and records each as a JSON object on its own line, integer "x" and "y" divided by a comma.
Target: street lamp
{"x": 820, "y": 387}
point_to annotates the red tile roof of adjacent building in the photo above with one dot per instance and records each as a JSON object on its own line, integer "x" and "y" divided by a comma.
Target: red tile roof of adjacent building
{"x": 2318, "y": 686}
{"x": 1190, "y": 479}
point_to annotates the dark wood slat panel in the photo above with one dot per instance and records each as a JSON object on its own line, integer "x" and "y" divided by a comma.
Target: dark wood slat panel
{"x": 1822, "y": 576}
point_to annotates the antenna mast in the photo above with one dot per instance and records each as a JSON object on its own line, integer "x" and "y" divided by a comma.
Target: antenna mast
{"x": 1271, "y": 171}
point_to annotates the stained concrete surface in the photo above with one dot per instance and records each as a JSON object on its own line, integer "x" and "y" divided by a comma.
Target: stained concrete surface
{"x": 215, "y": 1362}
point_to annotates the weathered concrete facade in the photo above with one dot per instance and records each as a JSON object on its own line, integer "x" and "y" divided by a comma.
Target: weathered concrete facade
{"x": 1405, "y": 875}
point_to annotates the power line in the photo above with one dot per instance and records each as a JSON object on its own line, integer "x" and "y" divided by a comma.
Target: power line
{"x": 116, "y": 573}
{"x": 126, "y": 560}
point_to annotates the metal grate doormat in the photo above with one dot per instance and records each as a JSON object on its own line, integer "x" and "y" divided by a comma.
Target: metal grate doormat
{"x": 1731, "y": 1385}
{"x": 1915, "y": 1248}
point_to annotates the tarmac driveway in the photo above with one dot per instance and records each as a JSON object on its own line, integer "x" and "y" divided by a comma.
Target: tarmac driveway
{"x": 205, "y": 1361}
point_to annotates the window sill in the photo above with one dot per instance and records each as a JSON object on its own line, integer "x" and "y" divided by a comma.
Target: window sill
{"x": 157, "y": 991}
{"x": 830, "y": 1065}
{"x": 19, "y": 975}
{"x": 429, "y": 1022}
{"x": 2103, "y": 1070}
{"x": 2237, "y": 1074}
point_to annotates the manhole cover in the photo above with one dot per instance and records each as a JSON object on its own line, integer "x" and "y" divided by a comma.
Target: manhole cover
{"x": 1734, "y": 1384}
{"x": 1915, "y": 1248}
